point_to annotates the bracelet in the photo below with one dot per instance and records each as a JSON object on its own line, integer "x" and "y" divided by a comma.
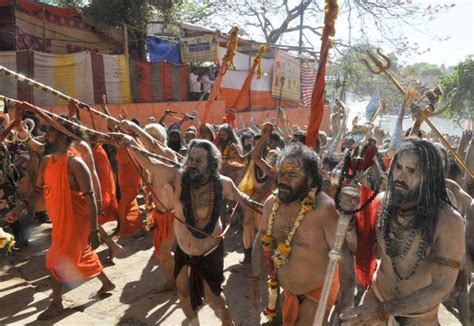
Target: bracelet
{"x": 382, "y": 312}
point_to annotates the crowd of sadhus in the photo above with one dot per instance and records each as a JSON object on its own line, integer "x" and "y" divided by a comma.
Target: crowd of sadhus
{"x": 408, "y": 249}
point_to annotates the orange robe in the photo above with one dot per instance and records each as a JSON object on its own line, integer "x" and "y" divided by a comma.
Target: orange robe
{"x": 130, "y": 183}
{"x": 163, "y": 229}
{"x": 70, "y": 257}
{"x": 291, "y": 304}
{"x": 107, "y": 185}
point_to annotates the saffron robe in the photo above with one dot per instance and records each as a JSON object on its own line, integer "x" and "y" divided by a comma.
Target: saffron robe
{"x": 130, "y": 184}
{"x": 163, "y": 229}
{"x": 70, "y": 257}
{"x": 107, "y": 185}
{"x": 291, "y": 303}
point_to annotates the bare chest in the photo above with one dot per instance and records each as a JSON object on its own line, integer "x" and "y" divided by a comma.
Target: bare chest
{"x": 306, "y": 233}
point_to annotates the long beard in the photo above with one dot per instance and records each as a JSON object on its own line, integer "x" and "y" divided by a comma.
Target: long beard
{"x": 293, "y": 194}
{"x": 175, "y": 146}
{"x": 195, "y": 178}
{"x": 398, "y": 198}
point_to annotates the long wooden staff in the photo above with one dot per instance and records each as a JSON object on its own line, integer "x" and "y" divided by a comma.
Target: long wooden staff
{"x": 48, "y": 89}
{"x": 334, "y": 257}
{"x": 52, "y": 91}
{"x": 384, "y": 68}
{"x": 52, "y": 117}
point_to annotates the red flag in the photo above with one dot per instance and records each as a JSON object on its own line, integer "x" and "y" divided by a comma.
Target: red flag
{"x": 317, "y": 100}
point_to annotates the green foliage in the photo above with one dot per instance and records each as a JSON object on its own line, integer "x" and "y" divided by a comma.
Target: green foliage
{"x": 461, "y": 86}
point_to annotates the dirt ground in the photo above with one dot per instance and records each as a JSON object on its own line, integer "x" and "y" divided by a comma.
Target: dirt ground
{"x": 25, "y": 288}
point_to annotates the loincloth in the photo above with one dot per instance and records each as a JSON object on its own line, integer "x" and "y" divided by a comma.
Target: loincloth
{"x": 163, "y": 229}
{"x": 208, "y": 267}
{"x": 392, "y": 321}
{"x": 292, "y": 302}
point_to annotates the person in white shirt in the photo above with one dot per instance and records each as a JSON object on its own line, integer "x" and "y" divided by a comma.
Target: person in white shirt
{"x": 207, "y": 84}
{"x": 194, "y": 85}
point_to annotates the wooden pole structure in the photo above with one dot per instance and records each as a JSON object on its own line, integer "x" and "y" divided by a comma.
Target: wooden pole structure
{"x": 125, "y": 39}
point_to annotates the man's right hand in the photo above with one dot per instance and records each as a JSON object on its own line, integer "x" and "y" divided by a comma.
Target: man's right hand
{"x": 267, "y": 128}
{"x": 128, "y": 126}
{"x": 122, "y": 138}
{"x": 256, "y": 294}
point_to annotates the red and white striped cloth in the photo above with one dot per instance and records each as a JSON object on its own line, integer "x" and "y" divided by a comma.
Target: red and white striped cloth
{"x": 308, "y": 77}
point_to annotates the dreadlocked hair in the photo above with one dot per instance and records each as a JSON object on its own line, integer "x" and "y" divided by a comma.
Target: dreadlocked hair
{"x": 432, "y": 191}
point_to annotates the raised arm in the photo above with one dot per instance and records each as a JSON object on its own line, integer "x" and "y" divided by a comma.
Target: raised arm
{"x": 165, "y": 170}
{"x": 148, "y": 141}
{"x": 256, "y": 154}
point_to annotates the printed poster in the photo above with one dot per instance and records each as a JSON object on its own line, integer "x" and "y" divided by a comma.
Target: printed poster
{"x": 199, "y": 49}
{"x": 286, "y": 70}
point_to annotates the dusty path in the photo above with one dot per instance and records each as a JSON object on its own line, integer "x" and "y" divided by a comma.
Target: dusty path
{"x": 25, "y": 289}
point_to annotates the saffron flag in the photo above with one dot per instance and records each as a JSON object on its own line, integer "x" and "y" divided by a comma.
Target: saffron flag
{"x": 317, "y": 100}
{"x": 226, "y": 62}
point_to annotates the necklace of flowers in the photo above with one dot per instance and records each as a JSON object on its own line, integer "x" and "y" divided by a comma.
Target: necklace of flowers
{"x": 225, "y": 152}
{"x": 276, "y": 255}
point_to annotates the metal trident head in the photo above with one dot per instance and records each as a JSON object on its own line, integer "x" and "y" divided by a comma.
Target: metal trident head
{"x": 378, "y": 59}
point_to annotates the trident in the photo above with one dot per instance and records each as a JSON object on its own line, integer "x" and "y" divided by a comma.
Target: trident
{"x": 422, "y": 115}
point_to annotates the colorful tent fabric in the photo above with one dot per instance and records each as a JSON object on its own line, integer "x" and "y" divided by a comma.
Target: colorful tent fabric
{"x": 85, "y": 76}
{"x": 51, "y": 29}
{"x": 162, "y": 50}
{"x": 158, "y": 82}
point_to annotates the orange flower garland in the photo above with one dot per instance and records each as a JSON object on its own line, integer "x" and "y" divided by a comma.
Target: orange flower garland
{"x": 276, "y": 255}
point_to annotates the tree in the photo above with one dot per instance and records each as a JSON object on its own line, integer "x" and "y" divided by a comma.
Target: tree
{"x": 460, "y": 84}
{"x": 279, "y": 20}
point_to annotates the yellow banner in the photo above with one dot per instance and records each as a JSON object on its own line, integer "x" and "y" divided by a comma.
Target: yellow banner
{"x": 286, "y": 77}
{"x": 199, "y": 49}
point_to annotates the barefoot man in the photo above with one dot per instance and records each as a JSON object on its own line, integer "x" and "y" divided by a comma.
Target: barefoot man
{"x": 195, "y": 196}
{"x": 153, "y": 138}
{"x": 420, "y": 237}
{"x": 66, "y": 183}
{"x": 297, "y": 231}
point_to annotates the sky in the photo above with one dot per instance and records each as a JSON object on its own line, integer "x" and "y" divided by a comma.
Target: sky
{"x": 457, "y": 24}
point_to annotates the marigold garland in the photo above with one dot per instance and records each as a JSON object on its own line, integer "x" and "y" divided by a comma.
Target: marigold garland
{"x": 276, "y": 254}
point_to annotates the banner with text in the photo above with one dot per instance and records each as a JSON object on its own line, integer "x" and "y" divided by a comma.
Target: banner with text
{"x": 199, "y": 49}
{"x": 286, "y": 77}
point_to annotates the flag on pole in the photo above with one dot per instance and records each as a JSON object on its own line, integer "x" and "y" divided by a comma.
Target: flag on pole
{"x": 226, "y": 62}
{"x": 331, "y": 9}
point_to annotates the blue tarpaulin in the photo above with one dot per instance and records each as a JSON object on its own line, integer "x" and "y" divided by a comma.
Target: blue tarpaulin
{"x": 160, "y": 50}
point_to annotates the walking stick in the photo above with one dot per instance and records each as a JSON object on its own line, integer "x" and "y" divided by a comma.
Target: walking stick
{"x": 334, "y": 257}
{"x": 384, "y": 68}
{"x": 282, "y": 82}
